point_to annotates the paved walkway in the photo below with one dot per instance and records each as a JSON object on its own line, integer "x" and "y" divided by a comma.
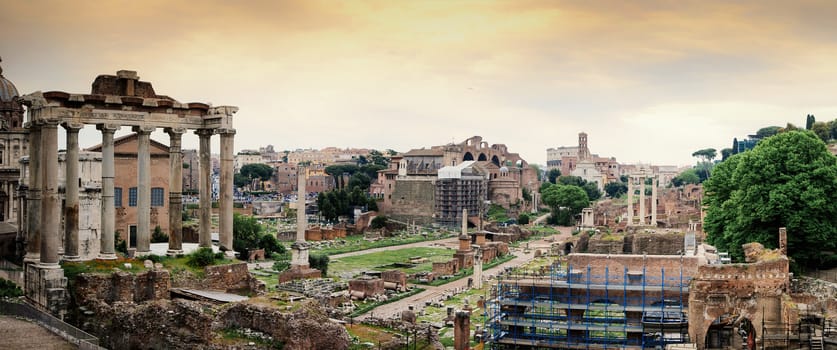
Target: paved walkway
{"x": 25, "y": 335}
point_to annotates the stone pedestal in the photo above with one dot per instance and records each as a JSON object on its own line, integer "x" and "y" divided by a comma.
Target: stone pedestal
{"x": 462, "y": 330}
{"x": 299, "y": 264}
{"x": 46, "y": 287}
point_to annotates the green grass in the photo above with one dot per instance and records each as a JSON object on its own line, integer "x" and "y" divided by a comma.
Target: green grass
{"x": 349, "y": 266}
{"x": 357, "y": 243}
{"x": 173, "y": 264}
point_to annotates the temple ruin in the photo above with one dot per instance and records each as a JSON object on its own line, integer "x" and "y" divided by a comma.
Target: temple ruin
{"x": 115, "y": 101}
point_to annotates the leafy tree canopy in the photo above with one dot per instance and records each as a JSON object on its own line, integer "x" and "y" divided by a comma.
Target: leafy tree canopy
{"x": 788, "y": 180}
{"x": 706, "y": 154}
{"x": 553, "y": 175}
{"x": 768, "y": 131}
{"x": 690, "y": 176}
{"x": 615, "y": 189}
{"x": 565, "y": 201}
{"x": 257, "y": 171}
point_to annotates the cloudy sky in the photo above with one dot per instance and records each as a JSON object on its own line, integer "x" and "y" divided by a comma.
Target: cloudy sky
{"x": 648, "y": 81}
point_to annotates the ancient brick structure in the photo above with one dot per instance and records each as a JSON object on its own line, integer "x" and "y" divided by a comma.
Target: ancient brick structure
{"x": 319, "y": 233}
{"x": 364, "y": 287}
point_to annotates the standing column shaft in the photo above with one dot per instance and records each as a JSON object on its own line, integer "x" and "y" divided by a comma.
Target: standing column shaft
{"x": 175, "y": 191}
{"x": 205, "y": 234}
{"x": 225, "y": 220}
{"x": 301, "y": 220}
{"x": 50, "y": 204}
{"x": 71, "y": 243}
{"x": 464, "y": 221}
{"x": 107, "y": 250}
{"x": 642, "y": 201}
{"x": 630, "y": 200}
{"x": 654, "y": 201}
{"x": 33, "y": 241}
{"x": 143, "y": 189}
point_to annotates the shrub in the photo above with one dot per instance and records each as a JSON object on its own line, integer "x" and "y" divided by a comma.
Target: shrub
{"x": 119, "y": 244}
{"x": 271, "y": 245}
{"x": 158, "y": 236}
{"x": 378, "y": 222}
{"x": 281, "y": 265}
{"x": 9, "y": 289}
{"x": 203, "y": 257}
{"x": 523, "y": 219}
{"x": 319, "y": 262}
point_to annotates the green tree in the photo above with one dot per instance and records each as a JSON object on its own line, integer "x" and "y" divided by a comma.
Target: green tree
{"x": 593, "y": 192}
{"x": 832, "y": 129}
{"x": 553, "y": 175}
{"x": 378, "y": 222}
{"x": 571, "y": 180}
{"x": 271, "y": 245}
{"x": 259, "y": 171}
{"x": 706, "y": 154}
{"x": 809, "y": 121}
{"x": 378, "y": 158}
{"x": 523, "y": 219}
{"x": 822, "y": 131}
{"x": 246, "y": 233}
{"x": 689, "y": 176}
{"x": 360, "y": 180}
{"x": 158, "y": 236}
{"x": 768, "y": 131}
{"x": 725, "y": 153}
{"x": 240, "y": 181}
{"x": 615, "y": 189}
{"x": 565, "y": 202}
{"x": 788, "y": 180}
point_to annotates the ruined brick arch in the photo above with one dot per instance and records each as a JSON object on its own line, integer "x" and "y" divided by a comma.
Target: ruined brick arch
{"x": 482, "y": 157}
{"x": 495, "y": 160}
{"x": 467, "y": 156}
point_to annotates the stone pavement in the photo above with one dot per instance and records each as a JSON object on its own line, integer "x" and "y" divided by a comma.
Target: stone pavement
{"x": 20, "y": 334}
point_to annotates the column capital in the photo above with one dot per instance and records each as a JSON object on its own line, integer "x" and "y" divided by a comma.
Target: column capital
{"x": 72, "y": 127}
{"x": 108, "y": 128}
{"x": 226, "y": 131}
{"x": 174, "y": 132}
{"x": 205, "y": 132}
{"x": 143, "y": 129}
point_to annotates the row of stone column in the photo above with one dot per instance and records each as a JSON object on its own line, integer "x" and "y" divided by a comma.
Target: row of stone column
{"x": 641, "y": 179}
{"x": 43, "y": 220}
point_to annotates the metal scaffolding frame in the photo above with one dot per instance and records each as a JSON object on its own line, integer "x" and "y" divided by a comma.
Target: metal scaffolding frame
{"x": 576, "y": 309}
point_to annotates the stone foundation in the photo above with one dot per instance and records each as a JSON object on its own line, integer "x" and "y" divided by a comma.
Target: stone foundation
{"x": 299, "y": 272}
{"x": 46, "y": 287}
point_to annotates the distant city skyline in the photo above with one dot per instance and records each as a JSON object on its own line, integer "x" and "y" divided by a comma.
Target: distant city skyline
{"x": 649, "y": 82}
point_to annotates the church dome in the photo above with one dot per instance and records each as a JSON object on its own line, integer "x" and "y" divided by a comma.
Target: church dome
{"x": 8, "y": 91}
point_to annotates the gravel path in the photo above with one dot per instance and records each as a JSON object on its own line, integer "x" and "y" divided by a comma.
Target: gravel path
{"x": 20, "y": 334}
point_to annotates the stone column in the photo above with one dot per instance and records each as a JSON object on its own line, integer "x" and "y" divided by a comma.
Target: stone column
{"x": 50, "y": 204}
{"x": 33, "y": 240}
{"x": 654, "y": 201}
{"x": 642, "y": 201}
{"x": 175, "y": 191}
{"x": 225, "y": 219}
{"x": 301, "y": 219}
{"x": 464, "y": 221}
{"x": 205, "y": 233}
{"x": 107, "y": 250}
{"x": 631, "y": 190}
{"x": 71, "y": 243}
{"x": 477, "y": 267}
{"x": 143, "y": 189}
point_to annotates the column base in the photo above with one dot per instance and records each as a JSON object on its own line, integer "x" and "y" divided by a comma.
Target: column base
{"x": 229, "y": 253}
{"x": 47, "y": 266}
{"x": 72, "y": 258}
{"x": 174, "y": 252}
{"x": 143, "y": 253}
{"x": 32, "y": 258}
{"x": 106, "y": 256}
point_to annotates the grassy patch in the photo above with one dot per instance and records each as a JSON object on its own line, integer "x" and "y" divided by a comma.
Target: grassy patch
{"x": 9, "y": 289}
{"x": 173, "y": 264}
{"x": 349, "y": 266}
{"x": 232, "y": 336}
{"x": 357, "y": 242}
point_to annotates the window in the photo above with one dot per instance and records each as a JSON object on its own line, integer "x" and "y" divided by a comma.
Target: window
{"x": 156, "y": 196}
{"x": 132, "y": 197}
{"x": 117, "y": 197}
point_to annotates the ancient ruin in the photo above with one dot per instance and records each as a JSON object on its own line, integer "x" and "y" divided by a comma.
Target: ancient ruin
{"x": 114, "y": 101}
{"x": 299, "y": 249}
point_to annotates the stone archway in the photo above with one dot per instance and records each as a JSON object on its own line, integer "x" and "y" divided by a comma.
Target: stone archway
{"x": 468, "y": 156}
{"x": 495, "y": 160}
{"x": 482, "y": 157}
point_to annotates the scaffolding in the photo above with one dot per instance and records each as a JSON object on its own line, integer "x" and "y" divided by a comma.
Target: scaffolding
{"x": 578, "y": 309}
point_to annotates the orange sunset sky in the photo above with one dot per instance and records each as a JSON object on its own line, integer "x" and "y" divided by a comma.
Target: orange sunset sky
{"x": 649, "y": 81}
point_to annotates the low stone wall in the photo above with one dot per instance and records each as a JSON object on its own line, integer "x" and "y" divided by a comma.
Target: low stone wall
{"x": 306, "y": 328}
{"x": 122, "y": 287}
